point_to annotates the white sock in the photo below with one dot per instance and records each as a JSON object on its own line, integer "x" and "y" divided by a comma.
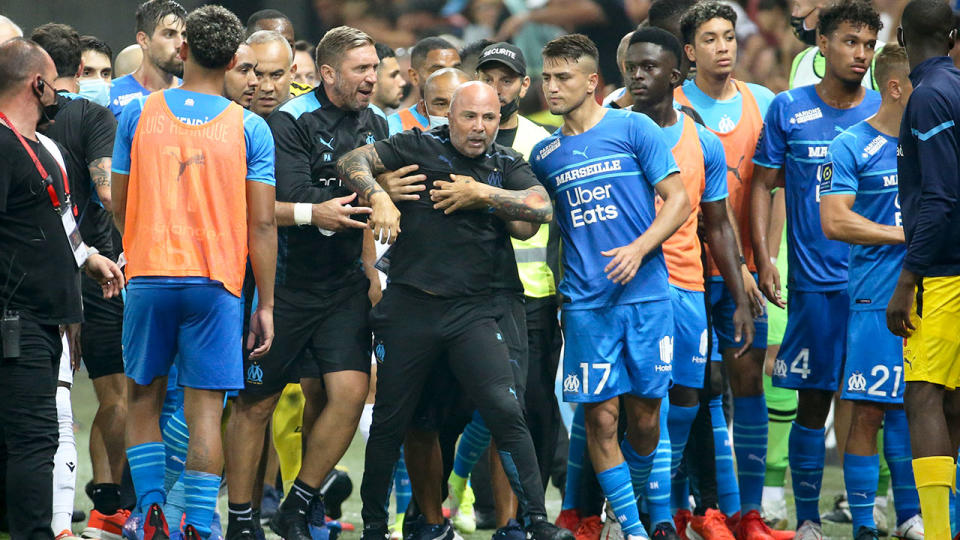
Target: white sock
{"x": 366, "y": 418}
{"x": 772, "y": 493}
{"x": 64, "y": 465}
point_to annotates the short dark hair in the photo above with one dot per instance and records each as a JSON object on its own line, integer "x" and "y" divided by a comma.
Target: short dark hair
{"x": 927, "y": 21}
{"x": 19, "y": 58}
{"x": 470, "y": 54}
{"x": 261, "y": 15}
{"x": 856, "y": 12}
{"x": 384, "y": 51}
{"x": 93, "y": 43}
{"x": 662, "y": 12}
{"x": 213, "y": 35}
{"x": 419, "y": 52}
{"x": 702, "y": 12}
{"x": 572, "y": 47}
{"x": 303, "y": 45}
{"x": 658, "y": 36}
{"x": 151, "y": 12}
{"x": 62, "y": 43}
{"x": 474, "y": 48}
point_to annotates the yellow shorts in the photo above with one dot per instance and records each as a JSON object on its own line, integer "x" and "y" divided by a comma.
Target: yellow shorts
{"x": 932, "y": 353}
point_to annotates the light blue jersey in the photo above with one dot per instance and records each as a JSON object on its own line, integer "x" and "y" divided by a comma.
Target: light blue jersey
{"x": 602, "y": 182}
{"x": 863, "y": 162}
{"x": 125, "y": 89}
{"x": 723, "y": 116}
{"x": 798, "y": 129}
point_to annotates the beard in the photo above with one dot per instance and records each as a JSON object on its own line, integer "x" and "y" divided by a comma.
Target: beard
{"x": 172, "y": 66}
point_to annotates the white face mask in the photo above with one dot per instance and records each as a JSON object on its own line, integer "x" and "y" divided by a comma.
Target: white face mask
{"x": 436, "y": 121}
{"x": 95, "y": 90}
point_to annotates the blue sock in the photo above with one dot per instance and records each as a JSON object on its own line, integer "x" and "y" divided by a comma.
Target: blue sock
{"x": 201, "y": 491}
{"x": 146, "y": 471}
{"x": 679, "y": 421}
{"x": 401, "y": 482}
{"x": 896, "y": 449}
{"x": 176, "y": 503}
{"x": 640, "y": 467}
{"x": 750, "y": 421}
{"x": 806, "y": 457}
{"x": 617, "y": 487}
{"x": 728, "y": 491}
{"x": 475, "y": 439}
{"x": 657, "y": 495}
{"x": 176, "y": 436}
{"x": 860, "y": 474}
{"x": 576, "y": 455}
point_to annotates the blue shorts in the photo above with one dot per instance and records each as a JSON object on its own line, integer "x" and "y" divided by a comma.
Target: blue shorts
{"x": 610, "y": 351}
{"x": 197, "y": 325}
{"x": 689, "y": 337}
{"x": 873, "y": 370}
{"x": 811, "y": 355}
{"x": 722, "y": 308}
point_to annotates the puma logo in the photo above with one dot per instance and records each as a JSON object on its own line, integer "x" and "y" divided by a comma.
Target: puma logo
{"x": 735, "y": 171}
{"x": 328, "y": 143}
{"x": 581, "y": 152}
{"x": 196, "y": 159}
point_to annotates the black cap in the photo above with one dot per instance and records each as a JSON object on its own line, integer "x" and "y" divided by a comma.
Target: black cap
{"x": 506, "y": 54}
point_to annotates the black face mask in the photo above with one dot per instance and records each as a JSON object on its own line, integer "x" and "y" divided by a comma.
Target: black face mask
{"x": 506, "y": 111}
{"x": 47, "y": 112}
{"x": 807, "y": 36}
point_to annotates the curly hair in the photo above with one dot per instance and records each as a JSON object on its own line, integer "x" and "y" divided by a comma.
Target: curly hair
{"x": 213, "y": 34}
{"x": 856, "y": 12}
{"x": 701, "y": 13}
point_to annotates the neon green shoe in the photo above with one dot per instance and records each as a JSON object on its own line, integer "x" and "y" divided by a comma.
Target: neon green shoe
{"x": 464, "y": 520}
{"x": 396, "y": 530}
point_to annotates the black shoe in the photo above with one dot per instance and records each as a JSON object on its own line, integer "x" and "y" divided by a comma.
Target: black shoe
{"x": 425, "y": 531}
{"x": 840, "y": 512}
{"x": 190, "y": 533}
{"x": 665, "y": 531}
{"x": 79, "y": 516}
{"x": 155, "y": 524}
{"x": 866, "y": 533}
{"x": 317, "y": 514}
{"x": 290, "y": 524}
{"x": 375, "y": 532}
{"x": 240, "y": 532}
{"x": 512, "y": 531}
{"x": 336, "y": 487}
{"x": 544, "y": 530}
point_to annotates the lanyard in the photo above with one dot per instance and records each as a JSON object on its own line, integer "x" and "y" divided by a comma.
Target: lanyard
{"x": 47, "y": 181}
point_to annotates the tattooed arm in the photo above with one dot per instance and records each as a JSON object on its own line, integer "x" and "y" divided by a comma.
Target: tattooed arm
{"x": 100, "y": 175}
{"x": 358, "y": 170}
{"x": 464, "y": 193}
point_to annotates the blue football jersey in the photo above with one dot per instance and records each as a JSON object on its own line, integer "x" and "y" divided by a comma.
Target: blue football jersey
{"x": 863, "y": 162}
{"x": 797, "y": 132}
{"x": 602, "y": 185}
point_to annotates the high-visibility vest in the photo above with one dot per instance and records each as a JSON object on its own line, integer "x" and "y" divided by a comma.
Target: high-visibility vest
{"x": 186, "y": 197}
{"x": 531, "y": 254}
